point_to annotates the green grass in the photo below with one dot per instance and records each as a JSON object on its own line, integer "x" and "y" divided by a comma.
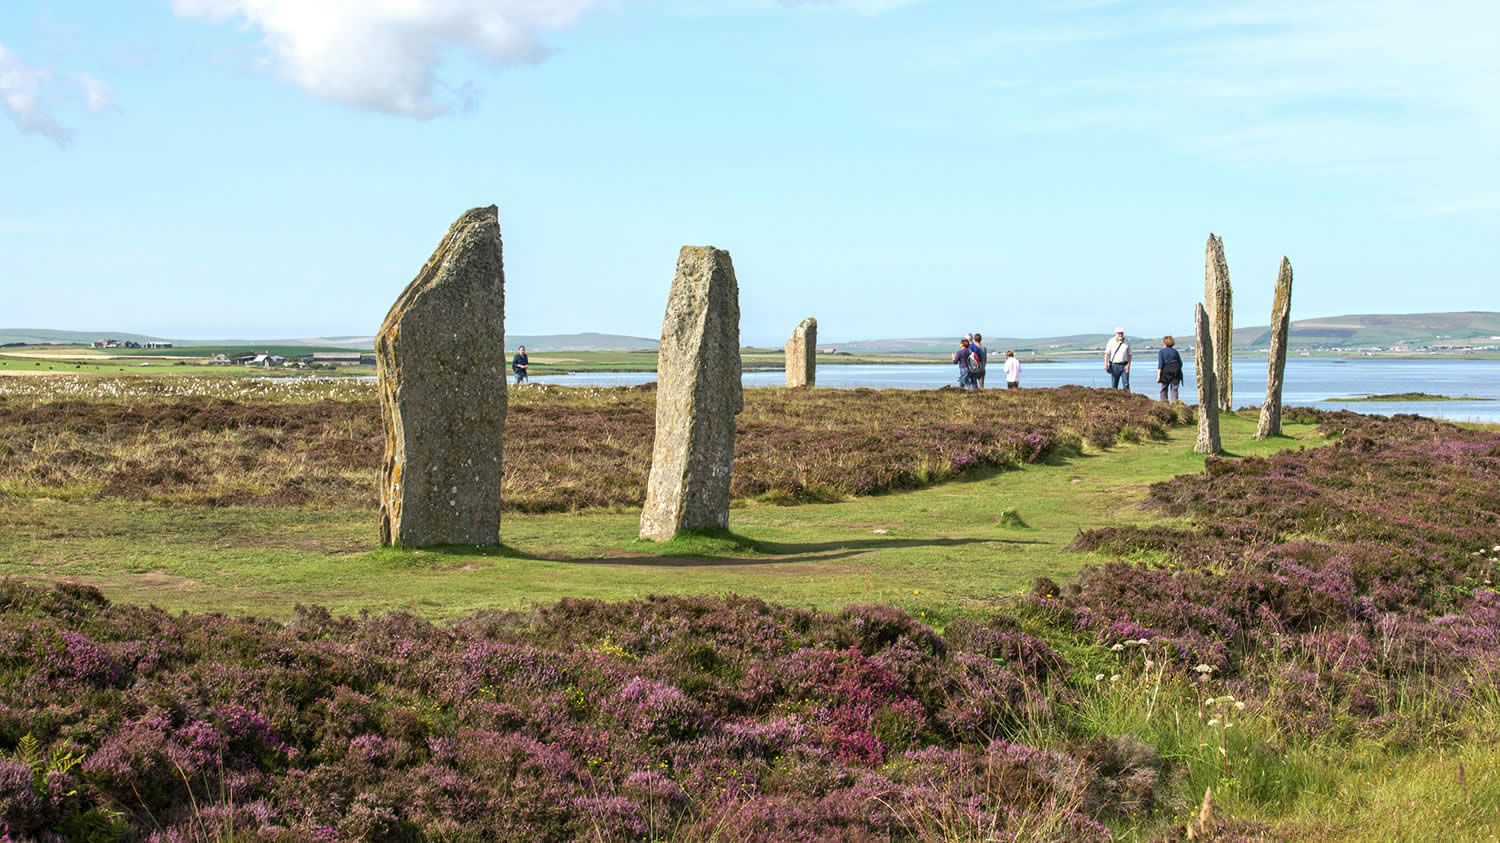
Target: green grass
{"x": 942, "y": 551}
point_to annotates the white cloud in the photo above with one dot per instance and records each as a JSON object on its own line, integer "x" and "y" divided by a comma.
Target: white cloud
{"x": 23, "y": 90}
{"x": 97, "y": 95}
{"x": 384, "y": 54}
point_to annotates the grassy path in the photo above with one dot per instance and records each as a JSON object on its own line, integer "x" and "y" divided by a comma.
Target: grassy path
{"x": 936, "y": 551}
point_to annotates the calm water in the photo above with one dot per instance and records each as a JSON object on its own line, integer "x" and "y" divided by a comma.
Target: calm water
{"x": 1309, "y": 381}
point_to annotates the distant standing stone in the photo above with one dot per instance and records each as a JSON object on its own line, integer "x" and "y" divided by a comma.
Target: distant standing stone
{"x": 1208, "y": 399}
{"x": 1281, "y": 325}
{"x": 698, "y": 394}
{"x": 802, "y": 354}
{"x": 1218, "y": 298}
{"x": 440, "y": 358}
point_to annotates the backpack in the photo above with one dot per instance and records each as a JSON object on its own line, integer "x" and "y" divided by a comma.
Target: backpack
{"x": 975, "y": 367}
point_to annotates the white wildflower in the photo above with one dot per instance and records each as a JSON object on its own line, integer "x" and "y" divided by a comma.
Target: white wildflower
{"x": 1117, "y": 648}
{"x": 1214, "y": 722}
{"x": 1204, "y": 669}
{"x": 1115, "y": 678}
{"x": 1239, "y": 706}
{"x": 1099, "y": 678}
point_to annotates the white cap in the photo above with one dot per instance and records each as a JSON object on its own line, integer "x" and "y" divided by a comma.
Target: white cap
{"x": 1119, "y": 330}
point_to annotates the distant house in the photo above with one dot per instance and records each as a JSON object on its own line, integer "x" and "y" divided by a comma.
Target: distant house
{"x": 132, "y": 344}
{"x": 106, "y": 343}
{"x": 220, "y": 360}
{"x": 342, "y": 358}
{"x": 263, "y": 359}
{"x": 154, "y": 344}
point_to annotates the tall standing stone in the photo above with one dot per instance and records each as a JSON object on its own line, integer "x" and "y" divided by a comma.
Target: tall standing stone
{"x": 1208, "y": 398}
{"x": 802, "y": 354}
{"x": 1281, "y": 326}
{"x": 440, "y": 356}
{"x": 1219, "y": 299}
{"x": 698, "y": 394}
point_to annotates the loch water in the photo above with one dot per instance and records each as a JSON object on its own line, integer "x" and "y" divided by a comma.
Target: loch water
{"x": 1325, "y": 383}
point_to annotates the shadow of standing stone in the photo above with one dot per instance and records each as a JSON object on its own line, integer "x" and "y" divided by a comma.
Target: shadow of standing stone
{"x": 440, "y": 357}
{"x": 1281, "y": 324}
{"x": 1218, "y": 298}
{"x": 698, "y": 394}
{"x": 802, "y": 355}
{"x": 1208, "y": 398}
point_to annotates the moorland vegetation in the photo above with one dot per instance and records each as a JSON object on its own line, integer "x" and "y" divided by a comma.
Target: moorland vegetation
{"x": 1312, "y": 635}
{"x": 234, "y": 442}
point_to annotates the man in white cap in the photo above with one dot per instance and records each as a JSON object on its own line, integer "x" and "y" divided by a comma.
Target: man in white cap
{"x": 1117, "y": 360}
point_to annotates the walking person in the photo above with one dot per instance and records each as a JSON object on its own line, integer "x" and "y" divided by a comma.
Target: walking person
{"x": 1169, "y": 368}
{"x": 979, "y": 350}
{"x": 967, "y": 364}
{"x": 1117, "y": 360}
{"x": 1012, "y": 371}
{"x": 518, "y": 365}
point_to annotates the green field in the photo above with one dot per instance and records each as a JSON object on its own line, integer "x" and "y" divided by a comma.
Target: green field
{"x": 942, "y": 551}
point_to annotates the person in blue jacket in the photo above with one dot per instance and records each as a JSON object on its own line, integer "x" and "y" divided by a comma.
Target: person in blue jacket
{"x": 518, "y": 365}
{"x": 1168, "y": 368}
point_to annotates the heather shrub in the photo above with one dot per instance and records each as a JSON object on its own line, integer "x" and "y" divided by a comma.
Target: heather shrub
{"x": 1350, "y": 583}
{"x": 671, "y": 717}
{"x": 565, "y": 449}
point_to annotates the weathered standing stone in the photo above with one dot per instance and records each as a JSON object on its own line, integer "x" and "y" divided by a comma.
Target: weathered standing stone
{"x": 802, "y": 354}
{"x": 1208, "y": 398}
{"x": 1281, "y": 325}
{"x": 1219, "y": 301}
{"x": 698, "y": 394}
{"x": 440, "y": 356}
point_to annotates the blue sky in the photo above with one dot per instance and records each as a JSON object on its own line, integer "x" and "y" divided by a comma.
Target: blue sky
{"x": 282, "y": 168}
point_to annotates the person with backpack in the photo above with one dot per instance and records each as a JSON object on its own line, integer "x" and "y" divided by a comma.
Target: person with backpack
{"x": 1168, "y": 368}
{"x": 979, "y": 351}
{"x": 968, "y": 364}
{"x": 518, "y": 365}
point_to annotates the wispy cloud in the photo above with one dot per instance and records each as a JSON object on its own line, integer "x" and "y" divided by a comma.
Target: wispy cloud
{"x": 864, "y": 7}
{"x": 384, "y": 54}
{"x": 23, "y": 95}
{"x": 1344, "y": 85}
{"x": 97, "y": 96}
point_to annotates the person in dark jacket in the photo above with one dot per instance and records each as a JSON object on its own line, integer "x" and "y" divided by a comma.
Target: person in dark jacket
{"x": 1168, "y": 368}
{"x": 518, "y": 365}
{"x": 961, "y": 359}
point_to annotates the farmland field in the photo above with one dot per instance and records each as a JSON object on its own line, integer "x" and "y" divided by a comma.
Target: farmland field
{"x": 987, "y": 617}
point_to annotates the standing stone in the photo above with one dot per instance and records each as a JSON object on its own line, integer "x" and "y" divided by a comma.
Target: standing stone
{"x": 1281, "y": 325}
{"x": 440, "y": 357}
{"x": 1219, "y": 300}
{"x": 802, "y": 354}
{"x": 698, "y": 394}
{"x": 1208, "y": 398}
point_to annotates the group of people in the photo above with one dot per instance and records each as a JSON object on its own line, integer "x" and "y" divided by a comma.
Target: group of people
{"x": 1168, "y": 364}
{"x": 971, "y": 359}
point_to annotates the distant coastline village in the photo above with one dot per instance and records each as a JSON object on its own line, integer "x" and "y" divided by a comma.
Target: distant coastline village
{"x": 260, "y": 359}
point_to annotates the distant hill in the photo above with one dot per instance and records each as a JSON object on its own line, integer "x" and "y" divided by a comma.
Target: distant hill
{"x": 42, "y": 336}
{"x": 1381, "y": 330}
{"x": 533, "y": 342}
{"x": 1417, "y": 330}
